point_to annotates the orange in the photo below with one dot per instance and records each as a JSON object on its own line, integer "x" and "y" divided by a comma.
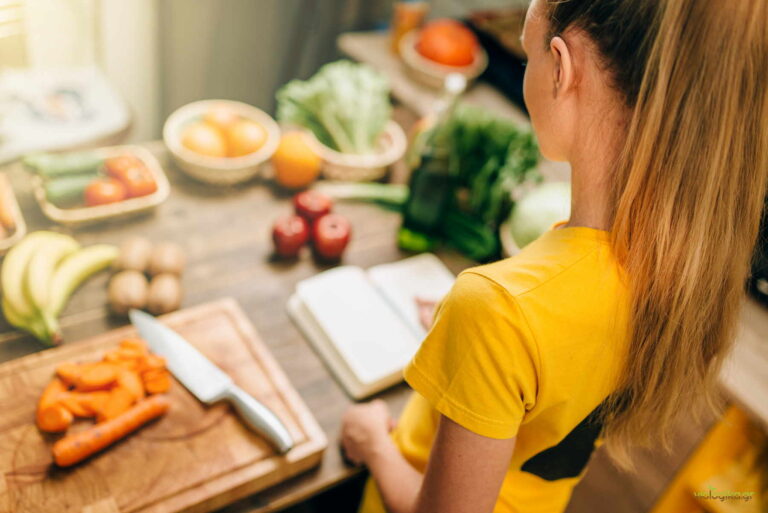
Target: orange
{"x": 243, "y": 137}
{"x": 204, "y": 139}
{"x": 221, "y": 116}
{"x": 295, "y": 164}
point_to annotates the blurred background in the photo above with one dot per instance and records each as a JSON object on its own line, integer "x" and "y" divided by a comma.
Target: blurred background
{"x": 160, "y": 55}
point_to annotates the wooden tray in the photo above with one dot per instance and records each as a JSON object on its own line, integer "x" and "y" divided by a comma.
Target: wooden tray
{"x": 194, "y": 459}
{"x": 79, "y": 215}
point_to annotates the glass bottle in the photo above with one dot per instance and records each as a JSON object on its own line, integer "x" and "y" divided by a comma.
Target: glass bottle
{"x": 431, "y": 183}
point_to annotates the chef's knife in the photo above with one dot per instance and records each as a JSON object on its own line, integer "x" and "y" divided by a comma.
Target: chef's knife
{"x": 206, "y": 381}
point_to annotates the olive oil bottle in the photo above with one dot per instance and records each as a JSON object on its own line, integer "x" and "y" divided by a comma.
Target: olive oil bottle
{"x": 431, "y": 185}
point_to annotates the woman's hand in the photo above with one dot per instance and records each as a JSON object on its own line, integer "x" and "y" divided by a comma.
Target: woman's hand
{"x": 365, "y": 430}
{"x": 426, "y": 309}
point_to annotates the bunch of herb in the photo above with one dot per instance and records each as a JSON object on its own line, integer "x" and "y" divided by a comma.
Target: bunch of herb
{"x": 490, "y": 157}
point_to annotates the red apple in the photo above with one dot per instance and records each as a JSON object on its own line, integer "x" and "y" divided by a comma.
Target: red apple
{"x": 312, "y": 204}
{"x": 330, "y": 236}
{"x": 289, "y": 233}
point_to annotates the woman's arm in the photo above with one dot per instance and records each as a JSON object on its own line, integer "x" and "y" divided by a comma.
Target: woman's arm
{"x": 464, "y": 473}
{"x": 365, "y": 440}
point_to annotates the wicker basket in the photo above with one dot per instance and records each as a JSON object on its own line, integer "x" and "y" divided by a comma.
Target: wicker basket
{"x": 363, "y": 168}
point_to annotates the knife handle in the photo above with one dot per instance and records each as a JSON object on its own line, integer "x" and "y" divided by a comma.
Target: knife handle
{"x": 259, "y": 418}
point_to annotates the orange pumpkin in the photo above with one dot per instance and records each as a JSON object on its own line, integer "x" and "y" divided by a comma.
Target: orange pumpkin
{"x": 447, "y": 42}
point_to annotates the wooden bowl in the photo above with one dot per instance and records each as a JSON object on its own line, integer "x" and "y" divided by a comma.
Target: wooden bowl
{"x": 362, "y": 168}
{"x": 431, "y": 73}
{"x": 82, "y": 215}
{"x": 219, "y": 170}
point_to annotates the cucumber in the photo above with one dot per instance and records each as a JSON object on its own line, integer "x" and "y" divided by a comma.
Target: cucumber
{"x": 68, "y": 190}
{"x": 52, "y": 165}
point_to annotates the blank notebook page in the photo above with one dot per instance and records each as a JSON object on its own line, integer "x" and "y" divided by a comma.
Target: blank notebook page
{"x": 423, "y": 276}
{"x": 361, "y": 325}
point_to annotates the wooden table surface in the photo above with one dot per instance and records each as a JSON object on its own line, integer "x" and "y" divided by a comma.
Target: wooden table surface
{"x": 226, "y": 235}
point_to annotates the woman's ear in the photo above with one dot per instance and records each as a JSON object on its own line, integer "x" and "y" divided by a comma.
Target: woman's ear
{"x": 563, "y": 65}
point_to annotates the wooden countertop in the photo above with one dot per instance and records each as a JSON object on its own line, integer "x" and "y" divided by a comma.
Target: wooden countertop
{"x": 226, "y": 233}
{"x": 745, "y": 374}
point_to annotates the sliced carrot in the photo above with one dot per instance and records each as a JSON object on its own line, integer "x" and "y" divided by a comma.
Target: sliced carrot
{"x": 54, "y": 418}
{"x": 69, "y": 372}
{"x": 112, "y": 356}
{"x": 128, "y": 364}
{"x": 119, "y": 401}
{"x": 135, "y": 344}
{"x": 94, "y": 402}
{"x": 99, "y": 376}
{"x": 158, "y": 384}
{"x": 131, "y": 381}
{"x": 73, "y": 401}
{"x": 52, "y": 393}
{"x": 76, "y": 447}
{"x": 153, "y": 372}
{"x": 153, "y": 361}
{"x": 130, "y": 353}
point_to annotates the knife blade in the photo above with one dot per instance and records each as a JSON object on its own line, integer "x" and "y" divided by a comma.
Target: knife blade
{"x": 206, "y": 381}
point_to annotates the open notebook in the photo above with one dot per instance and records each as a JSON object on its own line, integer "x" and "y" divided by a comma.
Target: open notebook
{"x": 365, "y": 324}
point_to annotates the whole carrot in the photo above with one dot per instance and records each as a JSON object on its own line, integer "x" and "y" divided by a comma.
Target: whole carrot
{"x": 76, "y": 447}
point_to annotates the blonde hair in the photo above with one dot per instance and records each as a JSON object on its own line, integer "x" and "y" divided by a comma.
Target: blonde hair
{"x": 688, "y": 193}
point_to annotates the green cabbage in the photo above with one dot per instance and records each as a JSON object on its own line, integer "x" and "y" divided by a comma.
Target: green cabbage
{"x": 538, "y": 210}
{"x": 345, "y": 104}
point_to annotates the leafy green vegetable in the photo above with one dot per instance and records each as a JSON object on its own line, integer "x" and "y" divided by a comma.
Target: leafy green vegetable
{"x": 345, "y": 104}
{"x": 489, "y": 157}
{"x": 471, "y": 236}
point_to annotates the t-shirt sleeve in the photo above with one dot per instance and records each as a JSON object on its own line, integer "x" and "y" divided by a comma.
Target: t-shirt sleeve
{"x": 477, "y": 365}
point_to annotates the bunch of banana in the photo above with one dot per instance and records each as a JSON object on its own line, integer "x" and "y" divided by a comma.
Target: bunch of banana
{"x": 40, "y": 273}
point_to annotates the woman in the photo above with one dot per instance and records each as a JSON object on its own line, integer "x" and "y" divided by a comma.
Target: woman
{"x": 613, "y": 324}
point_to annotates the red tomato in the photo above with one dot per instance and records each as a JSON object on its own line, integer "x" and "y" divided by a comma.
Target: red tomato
{"x": 133, "y": 173}
{"x": 118, "y": 165}
{"x": 447, "y": 42}
{"x": 330, "y": 236}
{"x": 289, "y": 234}
{"x": 312, "y": 204}
{"x": 104, "y": 190}
{"x": 138, "y": 182}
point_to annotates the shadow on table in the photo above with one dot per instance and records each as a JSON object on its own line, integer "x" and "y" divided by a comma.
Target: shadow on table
{"x": 344, "y": 498}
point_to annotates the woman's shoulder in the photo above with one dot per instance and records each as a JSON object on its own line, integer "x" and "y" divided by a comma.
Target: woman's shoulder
{"x": 563, "y": 259}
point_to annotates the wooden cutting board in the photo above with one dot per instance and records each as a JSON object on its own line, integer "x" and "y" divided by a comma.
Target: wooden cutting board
{"x": 194, "y": 459}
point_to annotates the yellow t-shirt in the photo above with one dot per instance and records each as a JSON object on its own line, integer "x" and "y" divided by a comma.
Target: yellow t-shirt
{"x": 526, "y": 347}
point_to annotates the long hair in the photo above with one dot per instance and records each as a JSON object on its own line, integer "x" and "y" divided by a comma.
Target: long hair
{"x": 688, "y": 192}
